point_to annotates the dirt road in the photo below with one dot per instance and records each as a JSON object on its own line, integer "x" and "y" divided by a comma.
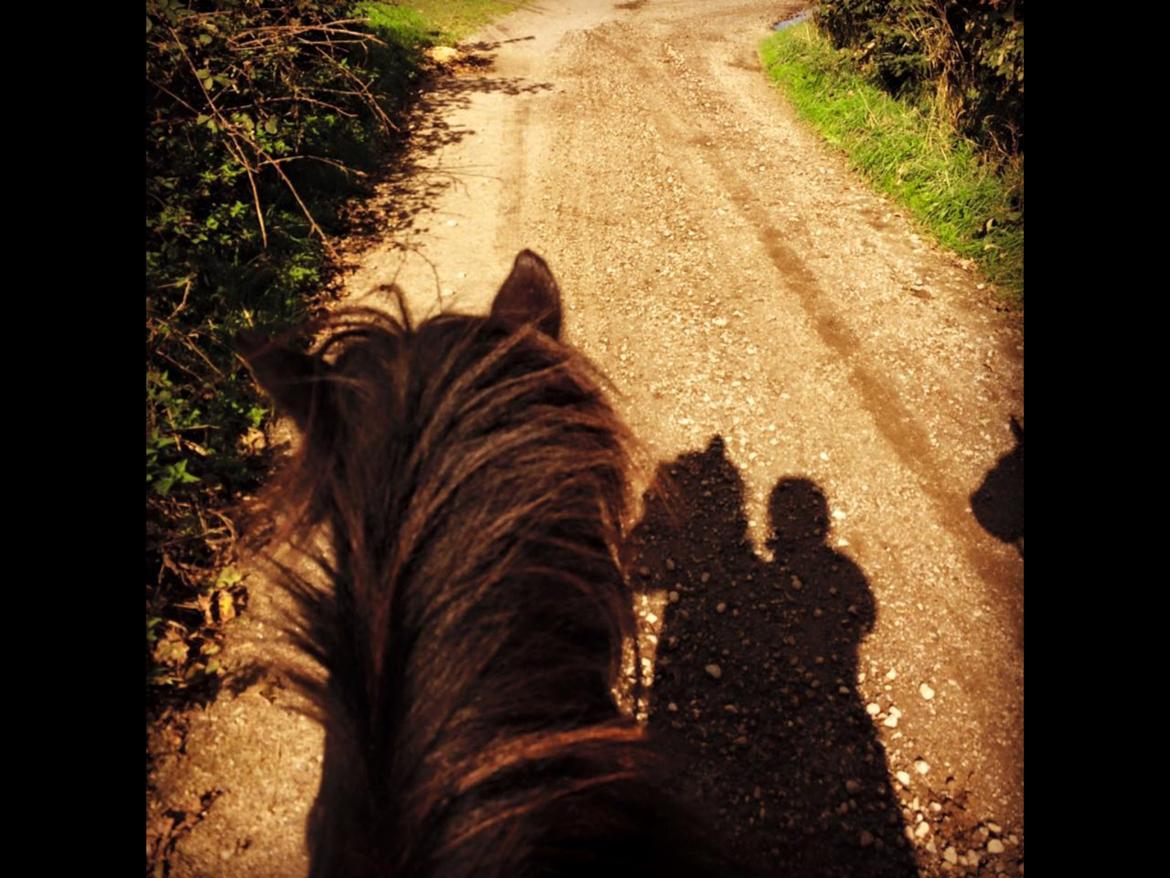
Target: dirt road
{"x": 735, "y": 280}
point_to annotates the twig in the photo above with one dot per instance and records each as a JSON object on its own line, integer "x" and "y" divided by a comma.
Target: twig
{"x": 315, "y": 158}
{"x": 229, "y": 129}
{"x": 235, "y": 133}
{"x": 227, "y": 523}
{"x": 305, "y": 99}
{"x": 178, "y": 365}
{"x": 183, "y": 303}
{"x": 187, "y": 341}
{"x": 363, "y": 88}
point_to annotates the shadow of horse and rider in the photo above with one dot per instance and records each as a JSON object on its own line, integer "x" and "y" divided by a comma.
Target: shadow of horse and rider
{"x": 755, "y": 687}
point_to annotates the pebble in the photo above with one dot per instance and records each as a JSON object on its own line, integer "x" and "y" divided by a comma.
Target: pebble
{"x": 796, "y": 583}
{"x": 721, "y": 607}
{"x": 672, "y": 707}
{"x": 674, "y": 597}
{"x": 705, "y": 577}
{"x": 852, "y": 785}
{"x": 644, "y": 570}
{"x": 922, "y": 766}
{"x": 903, "y": 778}
{"x": 951, "y": 855}
{"x": 891, "y": 674}
{"x": 995, "y": 846}
{"x": 838, "y": 514}
{"x": 670, "y": 564}
{"x": 922, "y": 829}
{"x": 994, "y": 827}
{"x": 926, "y": 692}
{"x": 873, "y": 708}
{"x": 866, "y": 838}
{"x": 715, "y": 671}
{"x": 890, "y": 722}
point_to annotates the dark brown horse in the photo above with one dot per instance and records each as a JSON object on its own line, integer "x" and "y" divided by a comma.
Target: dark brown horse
{"x": 472, "y": 480}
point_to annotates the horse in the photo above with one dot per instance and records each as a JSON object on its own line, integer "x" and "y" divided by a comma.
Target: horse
{"x": 472, "y": 481}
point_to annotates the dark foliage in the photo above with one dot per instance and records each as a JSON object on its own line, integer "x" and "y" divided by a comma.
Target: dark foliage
{"x": 967, "y": 55}
{"x": 261, "y": 118}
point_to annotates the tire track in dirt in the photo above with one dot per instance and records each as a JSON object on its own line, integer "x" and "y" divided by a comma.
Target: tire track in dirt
{"x": 640, "y": 159}
{"x": 897, "y": 424}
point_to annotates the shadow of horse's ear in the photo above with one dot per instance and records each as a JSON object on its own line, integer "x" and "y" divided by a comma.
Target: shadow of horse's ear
{"x": 530, "y": 295}
{"x": 289, "y": 377}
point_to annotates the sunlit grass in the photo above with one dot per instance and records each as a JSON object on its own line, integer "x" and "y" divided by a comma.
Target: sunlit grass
{"x": 967, "y": 204}
{"x": 446, "y": 21}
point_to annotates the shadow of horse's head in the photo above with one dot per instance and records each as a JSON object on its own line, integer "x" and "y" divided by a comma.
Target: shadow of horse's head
{"x": 998, "y": 503}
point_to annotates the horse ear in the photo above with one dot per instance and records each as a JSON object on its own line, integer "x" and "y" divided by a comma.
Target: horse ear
{"x": 287, "y": 376}
{"x": 530, "y": 295}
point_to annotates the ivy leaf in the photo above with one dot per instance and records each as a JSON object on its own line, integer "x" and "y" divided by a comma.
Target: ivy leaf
{"x": 226, "y": 606}
{"x": 229, "y": 576}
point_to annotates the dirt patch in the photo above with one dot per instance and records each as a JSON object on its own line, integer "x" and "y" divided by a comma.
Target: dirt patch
{"x": 735, "y": 280}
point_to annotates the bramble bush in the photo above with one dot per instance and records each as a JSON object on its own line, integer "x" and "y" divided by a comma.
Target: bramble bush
{"x": 965, "y": 57}
{"x": 262, "y": 117}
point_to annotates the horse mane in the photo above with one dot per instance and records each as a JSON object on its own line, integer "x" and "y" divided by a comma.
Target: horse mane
{"x": 472, "y": 479}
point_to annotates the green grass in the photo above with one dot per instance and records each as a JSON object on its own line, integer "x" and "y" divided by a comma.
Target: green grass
{"x": 962, "y": 200}
{"x": 443, "y": 22}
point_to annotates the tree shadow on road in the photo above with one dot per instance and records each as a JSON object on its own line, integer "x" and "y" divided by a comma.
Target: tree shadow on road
{"x": 755, "y": 689}
{"x": 414, "y": 176}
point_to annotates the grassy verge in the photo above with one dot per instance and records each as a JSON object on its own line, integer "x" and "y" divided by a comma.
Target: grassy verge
{"x": 970, "y": 206}
{"x": 455, "y": 19}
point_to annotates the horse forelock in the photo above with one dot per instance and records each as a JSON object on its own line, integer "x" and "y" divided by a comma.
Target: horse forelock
{"x": 473, "y": 479}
